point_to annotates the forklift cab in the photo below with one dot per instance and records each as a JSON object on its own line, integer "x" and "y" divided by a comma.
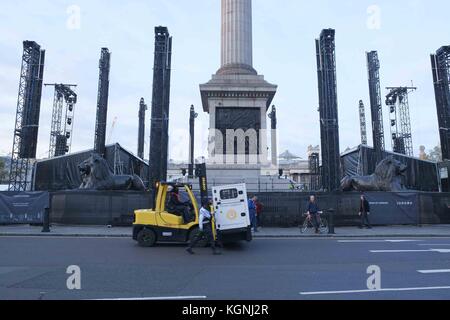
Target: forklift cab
{"x": 162, "y": 201}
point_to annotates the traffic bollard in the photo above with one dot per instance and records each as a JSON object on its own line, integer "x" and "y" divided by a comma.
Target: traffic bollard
{"x": 46, "y": 228}
{"x": 331, "y": 221}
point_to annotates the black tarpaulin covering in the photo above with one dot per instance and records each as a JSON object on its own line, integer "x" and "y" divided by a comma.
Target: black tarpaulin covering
{"x": 420, "y": 176}
{"x": 23, "y": 207}
{"x": 62, "y": 173}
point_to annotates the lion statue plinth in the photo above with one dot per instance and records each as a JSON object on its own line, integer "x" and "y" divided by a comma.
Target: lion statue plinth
{"x": 97, "y": 175}
{"x": 387, "y": 177}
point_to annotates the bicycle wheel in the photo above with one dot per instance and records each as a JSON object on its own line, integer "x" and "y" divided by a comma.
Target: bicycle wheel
{"x": 304, "y": 227}
{"x": 324, "y": 226}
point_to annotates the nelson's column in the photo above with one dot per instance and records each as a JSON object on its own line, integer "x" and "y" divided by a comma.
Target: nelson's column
{"x": 237, "y": 100}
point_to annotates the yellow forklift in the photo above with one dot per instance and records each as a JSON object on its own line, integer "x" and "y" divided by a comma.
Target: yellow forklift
{"x": 152, "y": 226}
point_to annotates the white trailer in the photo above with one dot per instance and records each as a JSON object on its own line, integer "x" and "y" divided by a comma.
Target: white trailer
{"x": 232, "y": 214}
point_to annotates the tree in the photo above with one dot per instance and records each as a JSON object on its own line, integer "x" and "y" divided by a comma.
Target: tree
{"x": 435, "y": 154}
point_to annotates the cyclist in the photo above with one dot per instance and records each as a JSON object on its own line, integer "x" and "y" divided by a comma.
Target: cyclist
{"x": 313, "y": 213}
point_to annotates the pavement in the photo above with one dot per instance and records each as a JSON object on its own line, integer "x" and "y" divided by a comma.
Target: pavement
{"x": 47, "y": 268}
{"x": 126, "y": 232}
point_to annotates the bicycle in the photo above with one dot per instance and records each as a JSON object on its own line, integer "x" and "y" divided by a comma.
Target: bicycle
{"x": 309, "y": 226}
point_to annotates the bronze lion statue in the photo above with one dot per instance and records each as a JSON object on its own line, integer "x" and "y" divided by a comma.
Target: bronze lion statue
{"x": 387, "y": 177}
{"x": 97, "y": 175}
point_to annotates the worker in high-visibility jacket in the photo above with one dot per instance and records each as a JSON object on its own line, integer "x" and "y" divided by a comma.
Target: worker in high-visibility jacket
{"x": 205, "y": 229}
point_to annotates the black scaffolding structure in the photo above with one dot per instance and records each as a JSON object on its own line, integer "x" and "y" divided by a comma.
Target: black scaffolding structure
{"x": 27, "y": 116}
{"x": 328, "y": 108}
{"x": 63, "y": 117}
{"x": 400, "y": 120}
{"x": 376, "y": 106}
{"x": 440, "y": 63}
{"x": 159, "y": 136}
{"x": 141, "y": 131}
{"x": 362, "y": 122}
{"x": 102, "y": 102}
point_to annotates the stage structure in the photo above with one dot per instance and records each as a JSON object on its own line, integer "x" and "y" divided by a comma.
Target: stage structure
{"x": 328, "y": 108}
{"x": 27, "y": 116}
{"x": 63, "y": 173}
{"x": 102, "y": 102}
{"x": 400, "y": 119}
{"x": 192, "y": 116}
{"x": 363, "y": 124}
{"x": 159, "y": 136}
{"x": 441, "y": 76}
{"x": 141, "y": 134}
{"x": 61, "y": 132}
{"x": 420, "y": 175}
{"x": 376, "y": 106}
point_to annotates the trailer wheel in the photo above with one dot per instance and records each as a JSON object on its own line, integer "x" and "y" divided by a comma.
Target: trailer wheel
{"x": 146, "y": 238}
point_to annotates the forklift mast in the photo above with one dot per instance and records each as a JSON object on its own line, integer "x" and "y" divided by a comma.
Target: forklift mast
{"x": 200, "y": 172}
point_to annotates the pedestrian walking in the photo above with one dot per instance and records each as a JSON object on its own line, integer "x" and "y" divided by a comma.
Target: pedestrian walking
{"x": 364, "y": 213}
{"x": 252, "y": 210}
{"x": 205, "y": 229}
{"x": 259, "y": 211}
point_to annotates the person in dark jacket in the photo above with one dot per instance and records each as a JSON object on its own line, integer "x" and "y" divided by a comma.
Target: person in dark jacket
{"x": 314, "y": 212}
{"x": 364, "y": 213}
{"x": 177, "y": 207}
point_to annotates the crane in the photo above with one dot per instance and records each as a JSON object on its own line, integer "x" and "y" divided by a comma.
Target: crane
{"x": 111, "y": 131}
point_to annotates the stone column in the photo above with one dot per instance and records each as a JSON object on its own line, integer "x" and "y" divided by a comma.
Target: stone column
{"x": 237, "y": 42}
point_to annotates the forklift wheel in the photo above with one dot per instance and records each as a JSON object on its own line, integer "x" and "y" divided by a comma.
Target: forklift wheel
{"x": 146, "y": 238}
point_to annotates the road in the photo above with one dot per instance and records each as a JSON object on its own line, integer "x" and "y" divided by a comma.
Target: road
{"x": 281, "y": 269}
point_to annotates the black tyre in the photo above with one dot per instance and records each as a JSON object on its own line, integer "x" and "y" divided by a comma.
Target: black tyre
{"x": 193, "y": 234}
{"x": 146, "y": 238}
{"x": 307, "y": 226}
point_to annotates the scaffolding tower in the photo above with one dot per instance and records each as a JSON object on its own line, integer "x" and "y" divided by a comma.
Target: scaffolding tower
{"x": 27, "y": 116}
{"x": 102, "y": 102}
{"x": 440, "y": 63}
{"x": 63, "y": 117}
{"x": 328, "y": 108}
{"x": 362, "y": 121}
{"x": 400, "y": 119}
{"x": 376, "y": 106}
{"x": 159, "y": 137}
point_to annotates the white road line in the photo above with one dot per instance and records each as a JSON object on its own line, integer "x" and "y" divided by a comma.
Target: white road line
{"x": 434, "y": 271}
{"x": 377, "y": 241}
{"x": 434, "y": 244}
{"x": 372, "y": 291}
{"x": 156, "y": 298}
{"x": 411, "y": 251}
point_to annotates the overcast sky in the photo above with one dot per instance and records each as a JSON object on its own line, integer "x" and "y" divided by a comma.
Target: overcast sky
{"x": 404, "y": 32}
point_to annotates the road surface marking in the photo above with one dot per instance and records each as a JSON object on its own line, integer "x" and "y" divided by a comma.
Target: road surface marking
{"x": 377, "y": 241}
{"x": 434, "y": 271}
{"x": 156, "y": 298}
{"x": 433, "y": 244}
{"x": 372, "y": 291}
{"x": 411, "y": 251}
